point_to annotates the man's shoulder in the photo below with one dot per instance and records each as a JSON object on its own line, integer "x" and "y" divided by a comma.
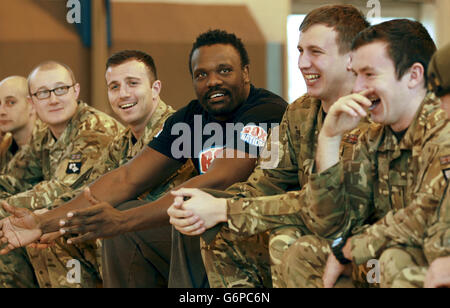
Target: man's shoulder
{"x": 264, "y": 96}
{"x": 91, "y": 118}
{"x": 434, "y": 120}
{"x": 305, "y": 102}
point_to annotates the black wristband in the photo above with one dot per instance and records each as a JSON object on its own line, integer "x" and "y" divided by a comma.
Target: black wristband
{"x": 336, "y": 248}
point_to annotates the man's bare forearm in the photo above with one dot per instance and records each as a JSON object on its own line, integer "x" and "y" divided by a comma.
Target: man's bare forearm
{"x": 154, "y": 214}
{"x": 109, "y": 188}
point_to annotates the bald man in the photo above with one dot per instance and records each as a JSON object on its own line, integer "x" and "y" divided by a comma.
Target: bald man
{"x": 59, "y": 158}
{"x": 17, "y": 117}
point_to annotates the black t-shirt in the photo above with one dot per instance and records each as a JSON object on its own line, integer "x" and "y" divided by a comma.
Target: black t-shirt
{"x": 191, "y": 133}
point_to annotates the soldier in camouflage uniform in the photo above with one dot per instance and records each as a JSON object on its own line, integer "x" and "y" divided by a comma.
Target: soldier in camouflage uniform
{"x": 128, "y": 73}
{"x": 421, "y": 229}
{"x": 268, "y": 212}
{"x": 17, "y": 118}
{"x": 395, "y": 175}
{"x": 59, "y": 158}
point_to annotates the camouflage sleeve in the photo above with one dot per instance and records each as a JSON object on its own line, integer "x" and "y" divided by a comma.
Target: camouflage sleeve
{"x": 5, "y": 143}
{"x": 23, "y": 171}
{"x": 437, "y": 241}
{"x": 250, "y": 216}
{"x": 254, "y": 201}
{"x": 338, "y": 200}
{"x": 74, "y": 169}
{"x": 408, "y": 225}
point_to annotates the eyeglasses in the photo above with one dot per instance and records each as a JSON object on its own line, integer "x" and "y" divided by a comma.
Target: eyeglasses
{"x": 59, "y": 91}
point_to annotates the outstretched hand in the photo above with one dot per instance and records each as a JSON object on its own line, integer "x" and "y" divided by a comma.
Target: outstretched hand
{"x": 19, "y": 229}
{"x": 101, "y": 220}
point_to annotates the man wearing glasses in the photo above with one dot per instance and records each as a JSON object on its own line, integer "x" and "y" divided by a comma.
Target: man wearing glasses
{"x": 61, "y": 156}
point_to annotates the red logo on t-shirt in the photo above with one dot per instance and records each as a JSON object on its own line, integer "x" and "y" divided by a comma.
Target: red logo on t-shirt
{"x": 254, "y": 135}
{"x": 206, "y": 158}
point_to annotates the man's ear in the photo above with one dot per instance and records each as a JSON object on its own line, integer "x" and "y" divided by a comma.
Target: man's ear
{"x": 156, "y": 88}
{"x": 416, "y": 75}
{"x": 246, "y": 73}
{"x": 77, "y": 88}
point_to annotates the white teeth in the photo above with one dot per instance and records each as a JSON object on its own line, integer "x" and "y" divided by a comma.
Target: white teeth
{"x": 126, "y": 106}
{"x": 375, "y": 102}
{"x": 216, "y": 95}
{"x": 312, "y": 77}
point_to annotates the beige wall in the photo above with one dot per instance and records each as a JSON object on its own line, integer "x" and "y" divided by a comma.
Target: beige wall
{"x": 443, "y": 21}
{"x": 271, "y": 15}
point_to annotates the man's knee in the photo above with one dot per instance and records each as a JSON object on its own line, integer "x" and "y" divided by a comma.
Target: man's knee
{"x": 394, "y": 260}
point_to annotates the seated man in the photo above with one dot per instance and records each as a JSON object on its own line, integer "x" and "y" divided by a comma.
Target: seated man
{"x": 222, "y": 130}
{"x": 437, "y": 243}
{"x": 17, "y": 118}
{"x": 133, "y": 92}
{"x": 273, "y": 197}
{"x": 396, "y": 165}
{"x": 60, "y": 156}
{"x": 421, "y": 227}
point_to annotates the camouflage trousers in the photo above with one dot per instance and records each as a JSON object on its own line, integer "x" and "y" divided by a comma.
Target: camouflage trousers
{"x": 403, "y": 267}
{"x": 16, "y": 270}
{"x": 303, "y": 266}
{"x": 50, "y": 267}
{"x": 67, "y": 266}
{"x": 233, "y": 261}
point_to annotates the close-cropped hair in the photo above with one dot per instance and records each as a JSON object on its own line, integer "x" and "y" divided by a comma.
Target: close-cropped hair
{"x": 408, "y": 42}
{"x": 346, "y": 20}
{"x": 48, "y": 65}
{"x": 213, "y": 37}
{"x": 140, "y": 56}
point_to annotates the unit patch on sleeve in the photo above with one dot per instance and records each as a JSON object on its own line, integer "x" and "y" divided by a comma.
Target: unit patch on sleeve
{"x": 73, "y": 168}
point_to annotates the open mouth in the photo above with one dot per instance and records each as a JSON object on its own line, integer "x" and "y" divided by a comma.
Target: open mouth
{"x": 128, "y": 106}
{"x": 216, "y": 96}
{"x": 375, "y": 102}
{"x": 311, "y": 77}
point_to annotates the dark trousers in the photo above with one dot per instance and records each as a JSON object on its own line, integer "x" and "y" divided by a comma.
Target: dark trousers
{"x": 157, "y": 257}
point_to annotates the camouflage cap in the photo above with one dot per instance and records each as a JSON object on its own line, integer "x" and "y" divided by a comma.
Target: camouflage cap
{"x": 439, "y": 72}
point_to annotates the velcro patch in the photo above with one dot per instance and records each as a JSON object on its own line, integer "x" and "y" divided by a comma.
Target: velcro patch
{"x": 73, "y": 168}
{"x": 352, "y": 139}
{"x": 75, "y": 157}
{"x": 445, "y": 160}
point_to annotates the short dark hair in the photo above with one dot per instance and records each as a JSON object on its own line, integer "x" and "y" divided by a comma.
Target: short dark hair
{"x": 127, "y": 55}
{"x": 408, "y": 42}
{"x": 345, "y": 19}
{"x": 217, "y": 36}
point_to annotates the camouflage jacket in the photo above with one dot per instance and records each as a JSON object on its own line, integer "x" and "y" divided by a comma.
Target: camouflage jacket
{"x": 54, "y": 167}
{"x": 274, "y": 194}
{"x": 437, "y": 239}
{"x": 384, "y": 176}
{"x": 5, "y": 153}
{"x": 125, "y": 146}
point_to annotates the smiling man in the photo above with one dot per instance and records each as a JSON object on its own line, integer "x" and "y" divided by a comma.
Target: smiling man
{"x": 220, "y": 73}
{"x": 60, "y": 156}
{"x": 395, "y": 165}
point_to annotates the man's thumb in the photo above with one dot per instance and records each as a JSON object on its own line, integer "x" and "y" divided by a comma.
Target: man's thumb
{"x": 88, "y": 195}
{"x": 8, "y": 208}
